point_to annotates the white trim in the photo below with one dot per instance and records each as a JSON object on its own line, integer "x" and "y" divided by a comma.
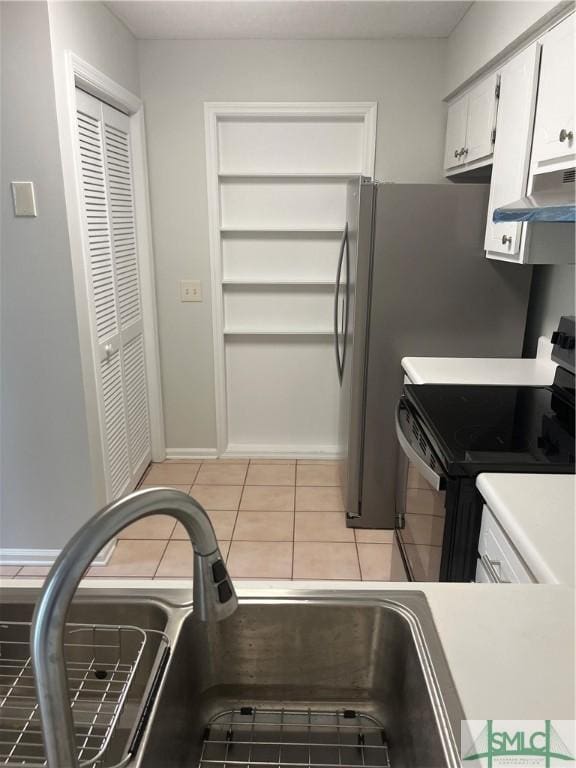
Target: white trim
{"x": 240, "y": 451}
{"x": 99, "y": 85}
{"x": 148, "y": 286}
{"x": 213, "y": 112}
{"x": 79, "y": 73}
{"x": 191, "y": 453}
{"x": 48, "y": 556}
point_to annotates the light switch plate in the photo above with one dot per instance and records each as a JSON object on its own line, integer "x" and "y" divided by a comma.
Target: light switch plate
{"x": 190, "y": 290}
{"x": 24, "y": 198}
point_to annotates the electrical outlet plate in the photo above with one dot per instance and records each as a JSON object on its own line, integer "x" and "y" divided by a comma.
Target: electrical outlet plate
{"x": 190, "y": 290}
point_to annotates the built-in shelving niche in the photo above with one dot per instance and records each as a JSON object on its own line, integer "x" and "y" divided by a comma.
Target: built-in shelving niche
{"x": 280, "y": 189}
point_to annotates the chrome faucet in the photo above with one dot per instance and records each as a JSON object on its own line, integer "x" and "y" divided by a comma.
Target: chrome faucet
{"x": 214, "y": 600}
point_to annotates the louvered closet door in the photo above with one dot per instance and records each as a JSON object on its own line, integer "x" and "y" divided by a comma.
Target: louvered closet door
{"x": 112, "y": 272}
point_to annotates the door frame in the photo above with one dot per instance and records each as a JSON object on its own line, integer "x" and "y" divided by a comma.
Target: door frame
{"x": 81, "y": 74}
{"x": 213, "y": 112}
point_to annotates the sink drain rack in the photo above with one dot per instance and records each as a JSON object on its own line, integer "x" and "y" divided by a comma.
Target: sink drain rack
{"x": 294, "y": 738}
{"x": 101, "y": 661}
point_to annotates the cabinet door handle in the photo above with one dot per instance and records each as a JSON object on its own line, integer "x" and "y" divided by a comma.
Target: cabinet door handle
{"x": 506, "y": 240}
{"x": 564, "y": 134}
{"x": 456, "y": 153}
{"x": 494, "y": 569}
{"x": 464, "y": 151}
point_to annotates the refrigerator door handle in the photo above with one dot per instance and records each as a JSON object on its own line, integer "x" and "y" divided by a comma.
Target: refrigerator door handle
{"x": 339, "y": 360}
{"x": 346, "y": 303}
{"x": 435, "y": 480}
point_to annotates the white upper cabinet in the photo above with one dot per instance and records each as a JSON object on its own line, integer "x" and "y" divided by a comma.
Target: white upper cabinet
{"x": 554, "y": 132}
{"x": 482, "y": 106}
{"x": 469, "y": 132}
{"x": 456, "y": 133}
{"x": 518, "y": 85}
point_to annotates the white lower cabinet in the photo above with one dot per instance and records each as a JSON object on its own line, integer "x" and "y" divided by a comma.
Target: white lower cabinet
{"x": 498, "y": 560}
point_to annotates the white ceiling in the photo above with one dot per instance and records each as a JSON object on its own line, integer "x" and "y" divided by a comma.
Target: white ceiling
{"x": 288, "y": 19}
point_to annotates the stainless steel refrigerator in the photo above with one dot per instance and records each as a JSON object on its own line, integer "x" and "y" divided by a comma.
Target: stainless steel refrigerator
{"x": 413, "y": 280}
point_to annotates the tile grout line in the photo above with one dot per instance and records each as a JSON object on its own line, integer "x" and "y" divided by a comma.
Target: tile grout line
{"x": 358, "y": 557}
{"x": 294, "y": 522}
{"x": 161, "y": 558}
{"x": 237, "y": 514}
{"x": 233, "y": 532}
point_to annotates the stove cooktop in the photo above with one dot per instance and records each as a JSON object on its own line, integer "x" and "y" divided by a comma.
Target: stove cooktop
{"x": 476, "y": 428}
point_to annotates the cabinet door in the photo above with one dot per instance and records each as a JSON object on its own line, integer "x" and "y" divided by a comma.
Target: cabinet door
{"x": 482, "y": 105}
{"x": 518, "y": 84}
{"x": 554, "y": 129}
{"x": 456, "y": 133}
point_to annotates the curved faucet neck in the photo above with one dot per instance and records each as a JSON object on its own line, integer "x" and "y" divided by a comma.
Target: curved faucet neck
{"x": 214, "y": 599}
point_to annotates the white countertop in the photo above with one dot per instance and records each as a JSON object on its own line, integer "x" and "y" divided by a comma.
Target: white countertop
{"x": 478, "y": 370}
{"x": 537, "y": 372}
{"x": 538, "y": 514}
{"x": 510, "y": 648}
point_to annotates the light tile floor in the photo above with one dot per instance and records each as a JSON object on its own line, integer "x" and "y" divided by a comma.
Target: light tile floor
{"x": 274, "y": 519}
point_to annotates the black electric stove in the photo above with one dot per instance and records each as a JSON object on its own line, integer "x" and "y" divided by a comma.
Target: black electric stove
{"x": 477, "y": 429}
{"x": 450, "y": 433}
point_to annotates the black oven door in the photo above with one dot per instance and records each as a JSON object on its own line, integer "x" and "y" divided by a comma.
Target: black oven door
{"x": 420, "y": 499}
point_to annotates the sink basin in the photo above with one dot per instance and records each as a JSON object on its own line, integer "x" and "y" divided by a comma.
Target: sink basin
{"x": 328, "y": 667}
{"x": 326, "y": 679}
{"x": 20, "y": 734}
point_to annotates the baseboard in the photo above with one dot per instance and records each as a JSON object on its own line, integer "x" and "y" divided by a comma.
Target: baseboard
{"x": 237, "y": 451}
{"x": 191, "y": 453}
{"x": 249, "y": 451}
{"x": 46, "y": 556}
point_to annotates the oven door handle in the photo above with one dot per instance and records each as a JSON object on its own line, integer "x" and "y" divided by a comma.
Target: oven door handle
{"x": 435, "y": 480}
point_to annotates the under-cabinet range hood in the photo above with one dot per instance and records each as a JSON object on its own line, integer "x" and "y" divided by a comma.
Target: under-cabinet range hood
{"x": 553, "y": 199}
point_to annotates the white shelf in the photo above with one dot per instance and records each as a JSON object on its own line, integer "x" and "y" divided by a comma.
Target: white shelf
{"x": 268, "y": 332}
{"x": 282, "y": 230}
{"x": 274, "y": 283}
{"x": 286, "y": 175}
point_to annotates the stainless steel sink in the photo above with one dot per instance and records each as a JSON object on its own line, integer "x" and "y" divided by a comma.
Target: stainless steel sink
{"x": 20, "y": 727}
{"x": 330, "y": 653}
{"x": 361, "y": 673}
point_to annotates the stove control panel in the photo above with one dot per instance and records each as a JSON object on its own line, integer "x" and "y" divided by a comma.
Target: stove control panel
{"x": 564, "y": 340}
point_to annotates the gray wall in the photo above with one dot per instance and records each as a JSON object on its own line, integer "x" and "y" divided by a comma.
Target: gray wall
{"x": 97, "y": 36}
{"x": 553, "y": 294}
{"x": 488, "y": 29}
{"x": 405, "y": 77}
{"x": 47, "y": 484}
{"x": 45, "y": 463}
